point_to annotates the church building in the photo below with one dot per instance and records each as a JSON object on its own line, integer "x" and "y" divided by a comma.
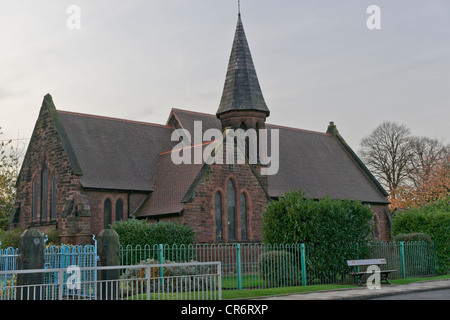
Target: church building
{"x": 82, "y": 172}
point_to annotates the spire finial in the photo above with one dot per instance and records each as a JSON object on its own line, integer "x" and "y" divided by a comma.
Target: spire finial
{"x": 239, "y": 7}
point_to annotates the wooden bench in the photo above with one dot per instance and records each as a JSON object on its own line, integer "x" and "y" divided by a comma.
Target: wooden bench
{"x": 358, "y": 276}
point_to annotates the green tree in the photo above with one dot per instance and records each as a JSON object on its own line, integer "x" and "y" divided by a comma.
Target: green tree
{"x": 10, "y": 156}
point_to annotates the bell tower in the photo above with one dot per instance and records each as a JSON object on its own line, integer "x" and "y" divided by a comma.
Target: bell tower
{"x": 242, "y": 104}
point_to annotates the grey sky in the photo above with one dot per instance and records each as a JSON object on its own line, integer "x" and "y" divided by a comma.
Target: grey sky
{"x": 316, "y": 61}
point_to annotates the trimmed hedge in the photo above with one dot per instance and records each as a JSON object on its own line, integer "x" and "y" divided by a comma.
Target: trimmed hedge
{"x": 433, "y": 220}
{"x": 296, "y": 219}
{"x": 415, "y": 236}
{"x": 334, "y": 230}
{"x": 138, "y": 232}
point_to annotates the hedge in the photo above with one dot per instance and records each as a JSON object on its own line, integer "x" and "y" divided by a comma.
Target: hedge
{"x": 334, "y": 230}
{"x": 433, "y": 220}
{"x": 139, "y": 232}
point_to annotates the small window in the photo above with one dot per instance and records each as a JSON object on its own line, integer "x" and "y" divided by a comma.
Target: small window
{"x": 119, "y": 210}
{"x": 107, "y": 213}
{"x": 375, "y": 227}
{"x": 218, "y": 208}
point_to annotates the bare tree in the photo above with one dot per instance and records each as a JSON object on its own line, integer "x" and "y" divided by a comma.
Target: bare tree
{"x": 387, "y": 153}
{"x": 427, "y": 154}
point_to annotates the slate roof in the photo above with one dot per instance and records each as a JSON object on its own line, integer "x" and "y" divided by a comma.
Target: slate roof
{"x": 171, "y": 185}
{"x": 321, "y": 165}
{"x": 317, "y": 162}
{"x": 126, "y": 155}
{"x": 241, "y": 90}
{"x": 114, "y": 153}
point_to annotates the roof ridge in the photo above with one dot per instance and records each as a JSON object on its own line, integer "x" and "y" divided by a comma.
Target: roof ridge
{"x": 194, "y": 112}
{"x": 298, "y": 129}
{"x": 114, "y": 119}
{"x": 187, "y": 147}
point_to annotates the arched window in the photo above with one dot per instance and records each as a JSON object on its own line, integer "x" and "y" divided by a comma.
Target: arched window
{"x": 375, "y": 226}
{"x": 218, "y": 208}
{"x": 243, "y": 203}
{"x": 35, "y": 199}
{"x": 44, "y": 188}
{"x": 231, "y": 209}
{"x": 107, "y": 213}
{"x": 53, "y": 199}
{"x": 119, "y": 210}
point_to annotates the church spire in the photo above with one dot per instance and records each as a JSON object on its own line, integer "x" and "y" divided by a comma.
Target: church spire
{"x": 242, "y": 91}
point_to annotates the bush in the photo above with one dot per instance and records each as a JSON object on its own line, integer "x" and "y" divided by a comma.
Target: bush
{"x": 138, "y": 232}
{"x": 433, "y": 220}
{"x": 416, "y": 236}
{"x": 333, "y": 230}
{"x": 278, "y": 268}
{"x": 53, "y": 238}
{"x": 175, "y": 279}
{"x": 10, "y": 238}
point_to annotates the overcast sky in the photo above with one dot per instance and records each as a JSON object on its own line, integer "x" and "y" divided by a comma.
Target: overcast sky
{"x": 316, "y": 61}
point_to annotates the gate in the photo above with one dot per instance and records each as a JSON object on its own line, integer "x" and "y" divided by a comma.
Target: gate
{"x": 62, "y": 257}
{"x": 8, "y": 262}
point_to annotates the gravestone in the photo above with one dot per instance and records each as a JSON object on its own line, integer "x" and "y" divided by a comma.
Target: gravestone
{"x": 108, "y": 247}
{"x": 32, "y": 256}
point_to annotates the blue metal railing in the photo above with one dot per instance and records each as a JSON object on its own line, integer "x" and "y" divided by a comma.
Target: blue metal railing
{"x": 8, "y": 262}
{"x": 57, "y": 257}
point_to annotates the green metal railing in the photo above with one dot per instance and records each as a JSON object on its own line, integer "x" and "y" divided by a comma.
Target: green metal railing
{"x": 251, "y": 265}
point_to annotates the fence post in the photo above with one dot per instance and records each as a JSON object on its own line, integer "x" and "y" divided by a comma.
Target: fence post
{"x": 60, "y": 284}
{"x": 303, "y": 256}
{"x": 402, "y": 258}
{"x": 239, "y": 267}
{"x": 161, "y": 261}
{"x": 148, "y": 275}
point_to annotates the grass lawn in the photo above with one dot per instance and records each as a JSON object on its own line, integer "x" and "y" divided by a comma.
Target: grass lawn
{"x": 411, "y": 280}
{"x": 254, "y": 293}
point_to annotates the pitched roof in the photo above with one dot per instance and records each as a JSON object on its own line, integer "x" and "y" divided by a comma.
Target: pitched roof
{"x": 171, "y": 184}
{"x": 241, "y": 90}
{"x": 318, "y": 163}
{"x": 113, "y": 153}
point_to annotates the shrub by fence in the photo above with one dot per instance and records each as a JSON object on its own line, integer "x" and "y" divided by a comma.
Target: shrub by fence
{"x": 433, "y": 220}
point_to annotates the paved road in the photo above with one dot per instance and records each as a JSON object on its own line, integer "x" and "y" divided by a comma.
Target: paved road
{"x": 428, "y": 295}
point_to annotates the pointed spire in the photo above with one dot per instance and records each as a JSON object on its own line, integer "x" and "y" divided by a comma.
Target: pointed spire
{"x": 241, "y": 90}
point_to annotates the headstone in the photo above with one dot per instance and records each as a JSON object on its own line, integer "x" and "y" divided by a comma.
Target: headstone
{"x": 108, "y": 247}
{"x": 32, "y": 256}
